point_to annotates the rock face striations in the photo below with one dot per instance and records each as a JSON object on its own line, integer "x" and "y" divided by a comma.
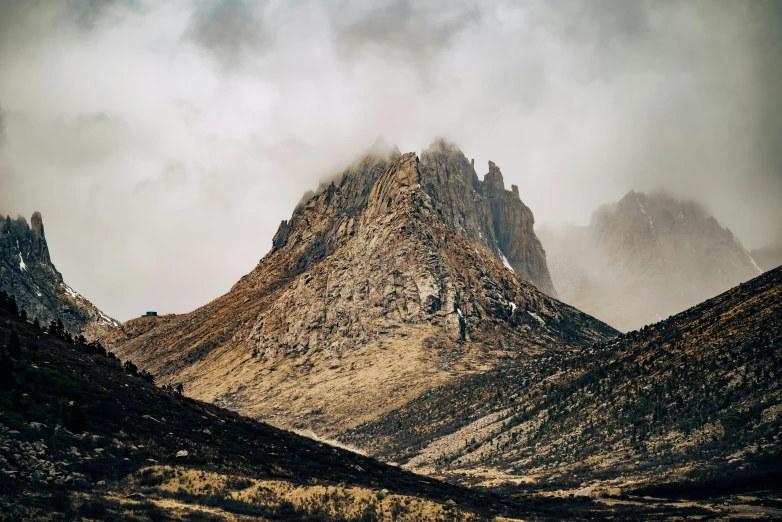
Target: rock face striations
{"x": 27, "y": 273}
{"x": 485, "y": 212}
{"x": 645, "y": 258}
{"x": 371, "y": 295}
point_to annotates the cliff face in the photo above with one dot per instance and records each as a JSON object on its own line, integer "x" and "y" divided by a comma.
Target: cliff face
{"x": 486, "y": 213}
{"x": 370, "y": 296}
{"x": 27, "y": 273}
{"x": 644, "y": 258}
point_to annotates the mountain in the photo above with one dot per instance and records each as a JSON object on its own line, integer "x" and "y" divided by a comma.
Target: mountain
{"x": 644, "y": 258}
{"x": 768, "y": 257}
{"x": 373, "y": 293}
{"x": 486, "y": 213}
{"x": 81, "y": 439}
{"x": 27, "y": 272}
{"x": 690, "y": 407}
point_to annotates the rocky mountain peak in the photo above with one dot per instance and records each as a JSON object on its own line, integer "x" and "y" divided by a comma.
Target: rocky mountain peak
{"x": 40, "y": 249}
{"x": 378, "y": 287}
{"x": 400, "y": 178}
{"x": 27, "y": 273}
{"x": 490, "y": 216}
{"x": 494, "y": 177}
{"x": 645, "y": 257}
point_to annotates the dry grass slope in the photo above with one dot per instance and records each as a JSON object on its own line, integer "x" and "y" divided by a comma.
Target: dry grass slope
{"x": 694, "y": 402}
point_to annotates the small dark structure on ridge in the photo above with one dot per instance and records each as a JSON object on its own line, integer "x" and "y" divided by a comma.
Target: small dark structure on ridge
{"x": 151, "y": 314}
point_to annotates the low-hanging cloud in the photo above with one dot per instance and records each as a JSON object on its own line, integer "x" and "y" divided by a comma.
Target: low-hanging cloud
{"x": 164, "y": 141}
{"x": 414, "y": 31}
{"x": 231, "y": 30}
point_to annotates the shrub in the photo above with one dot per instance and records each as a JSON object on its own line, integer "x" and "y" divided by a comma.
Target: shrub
{"x": 93, "y": 509}
{"x": 60, "y": 501}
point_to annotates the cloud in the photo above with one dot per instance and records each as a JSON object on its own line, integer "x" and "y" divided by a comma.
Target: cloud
{"x": 164, "y": 141}
{"x": 413, "y": 30}
{"x": 229, "y": 29}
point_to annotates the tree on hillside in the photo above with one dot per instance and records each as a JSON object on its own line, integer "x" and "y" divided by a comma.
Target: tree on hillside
{"x": 15, "y": 346}
{"x": 7, "y": 381}
{"x": 23, "y": 315}
{"x": 130, "y": 368}
{"x": 73, "y": 417}
{"x": 180, "y": 388}
{"x": 147, "y": 376}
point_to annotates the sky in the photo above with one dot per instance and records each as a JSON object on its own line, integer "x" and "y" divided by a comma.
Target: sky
{"x": 164, "y": 141}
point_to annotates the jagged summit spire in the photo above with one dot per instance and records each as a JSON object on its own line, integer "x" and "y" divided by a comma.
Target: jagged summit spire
{"x": 492, "y": 217}
{"x": 28, "y": 274}
{"x": 494, "y": 177}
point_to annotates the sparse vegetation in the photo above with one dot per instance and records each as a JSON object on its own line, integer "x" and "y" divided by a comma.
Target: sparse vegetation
{"x": 695, "y": 397}
{"x": 83, "y": 438}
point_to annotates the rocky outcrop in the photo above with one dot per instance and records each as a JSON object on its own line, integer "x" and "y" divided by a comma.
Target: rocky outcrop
{"x": 371, "y": 298}
{"x": 486, "y": 213}
{"x": 644, "y": 258}
{"x": 27, "y": 273}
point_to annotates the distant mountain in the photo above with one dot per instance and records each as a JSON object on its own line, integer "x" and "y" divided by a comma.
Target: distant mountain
{"x": 768, "y": 257}
{"x": 689, "y": 407}
{"x": 645, "y": 258}
{"x": 383, "y": 285}
{"x": 27, "y": 272}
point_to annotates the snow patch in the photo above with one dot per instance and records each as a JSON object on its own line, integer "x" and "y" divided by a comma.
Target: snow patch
{"x": 753, "y": 263}
{"x": 648, "y": 220}
{"x": 459, "y": 311}
{"x": 105, "y": 319}
{"x": 70, "y": 291}
{"x": 536, "y": 316}
{"x": 22, "y": 266}
{"x": 512, "y": 307}
{"x": 506, "y": 262}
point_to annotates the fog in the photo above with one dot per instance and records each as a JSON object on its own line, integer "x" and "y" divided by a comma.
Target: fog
{"x": 164, "y": 141}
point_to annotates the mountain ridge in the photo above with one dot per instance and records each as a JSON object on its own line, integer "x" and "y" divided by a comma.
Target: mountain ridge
{"x": 27, "y": 271}
{"x": 694, "y": 401}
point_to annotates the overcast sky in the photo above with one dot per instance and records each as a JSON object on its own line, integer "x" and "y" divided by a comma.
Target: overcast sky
{"x": 164, "y": 141}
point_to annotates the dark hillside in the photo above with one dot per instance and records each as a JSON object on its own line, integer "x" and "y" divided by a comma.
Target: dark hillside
{"x": 696, "y": 398}
{"x": 79, "y": 435}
